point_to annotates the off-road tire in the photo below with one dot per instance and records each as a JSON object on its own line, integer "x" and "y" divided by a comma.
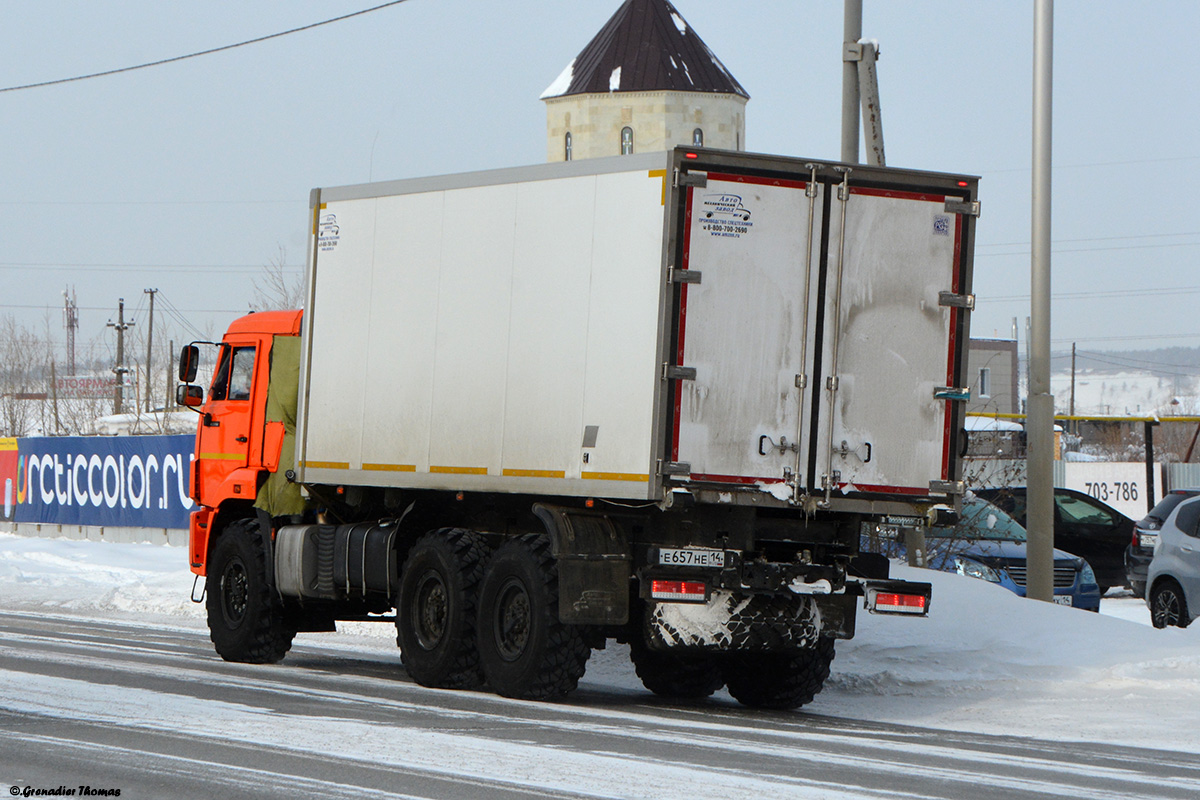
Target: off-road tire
{"x": 435, "y": 615}
{"x": 1168, "y": 606}
{"x": 779, "y": 680}
{"x": 676, "y": 675}
{"x": 525, "y": 650}
{"x": 246, "y": 618}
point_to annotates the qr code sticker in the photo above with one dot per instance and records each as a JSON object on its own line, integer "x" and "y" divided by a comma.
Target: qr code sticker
{"x": 941, "y": 225}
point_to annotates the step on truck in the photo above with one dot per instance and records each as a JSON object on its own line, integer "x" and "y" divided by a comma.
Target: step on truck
{"x": 655, "y": 399}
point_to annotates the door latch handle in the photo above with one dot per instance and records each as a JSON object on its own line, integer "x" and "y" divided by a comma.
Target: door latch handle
{"x": 241, "y": 439}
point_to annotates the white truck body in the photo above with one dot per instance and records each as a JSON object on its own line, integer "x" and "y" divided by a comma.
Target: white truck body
{"x": 623, "y": 327}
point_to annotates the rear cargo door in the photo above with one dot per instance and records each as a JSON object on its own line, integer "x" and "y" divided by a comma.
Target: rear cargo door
{"x": 745, "y": 328}
{"x": 887, "y": 342}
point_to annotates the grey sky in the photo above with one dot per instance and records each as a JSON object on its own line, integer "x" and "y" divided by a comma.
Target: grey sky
{"x": 190, "y": 177}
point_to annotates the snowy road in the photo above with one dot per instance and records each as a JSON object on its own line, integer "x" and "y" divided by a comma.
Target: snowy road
{"x": 149, "y": 709}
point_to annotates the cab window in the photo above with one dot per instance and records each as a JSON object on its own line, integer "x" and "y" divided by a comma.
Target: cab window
{"x": 235, "y": 374}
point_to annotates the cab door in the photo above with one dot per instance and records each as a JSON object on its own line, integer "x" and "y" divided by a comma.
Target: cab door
{"x": 228, "y": 420}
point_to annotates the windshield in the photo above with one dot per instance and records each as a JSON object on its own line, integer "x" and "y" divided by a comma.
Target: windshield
{"x": 981, "y": 520}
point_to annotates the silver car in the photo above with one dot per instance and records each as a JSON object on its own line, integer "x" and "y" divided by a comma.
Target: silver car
{"x": 1173, "y": 582}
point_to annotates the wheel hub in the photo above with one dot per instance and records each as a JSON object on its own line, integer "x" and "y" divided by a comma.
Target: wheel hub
{"x": 1166, "y": 608}
{"x": 512, "y": 620}
{"x": 234, "y": 593}
{"x": 430, "y": 611}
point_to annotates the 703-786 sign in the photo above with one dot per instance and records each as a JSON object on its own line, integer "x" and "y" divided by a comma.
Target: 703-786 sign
{"x": 1115, "y": 491}
{"x": 1121, "y": 485}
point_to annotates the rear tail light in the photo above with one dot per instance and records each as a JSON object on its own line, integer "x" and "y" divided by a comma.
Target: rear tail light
{"x": 687, "y": 591}
{"x": 893, "y": 603}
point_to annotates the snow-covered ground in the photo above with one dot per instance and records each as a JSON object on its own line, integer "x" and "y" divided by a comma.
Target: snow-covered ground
{"x": 984, "y": 661}
{"x": 1132, "y": 392}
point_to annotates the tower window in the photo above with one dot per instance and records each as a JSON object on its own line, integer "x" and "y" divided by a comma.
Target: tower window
{"x": 985, "y": 382}
{"x": 626, "y": 141}
{"x": 698, "y": 137}
{"x": 567, "y": 152}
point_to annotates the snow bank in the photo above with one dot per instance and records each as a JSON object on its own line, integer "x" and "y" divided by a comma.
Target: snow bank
{"x": 985, "y": 660}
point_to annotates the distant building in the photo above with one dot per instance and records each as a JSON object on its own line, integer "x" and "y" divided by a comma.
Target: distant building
{"x": 646, "y": 82}
{"x": 993, "y": 371}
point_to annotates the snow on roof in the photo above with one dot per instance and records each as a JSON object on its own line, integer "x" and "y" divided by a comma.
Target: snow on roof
{"x": 653, "y": 49}
{"x": 991, "y": 424}
{"x": 561, "y": 83}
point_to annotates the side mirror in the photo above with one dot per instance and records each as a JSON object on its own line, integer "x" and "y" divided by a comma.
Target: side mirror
{"x": 189, "y": 395}
{"x": 189, "y": 362}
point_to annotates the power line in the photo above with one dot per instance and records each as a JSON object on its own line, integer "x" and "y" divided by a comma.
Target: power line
{"x": 1094, "y": 239}
{"x": 1093, "y": 249}
{"x": 1099, "y": 294}
{"x": 49, "y": 307}
{"x": 1091, "y": 354}
{"x": 174, "y": 59}
{"x": 101, "y": 267}
{"x": 1144, "y": 337}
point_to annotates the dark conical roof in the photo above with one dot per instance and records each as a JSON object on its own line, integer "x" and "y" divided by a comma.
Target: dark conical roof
{"x": 646, "y": 46}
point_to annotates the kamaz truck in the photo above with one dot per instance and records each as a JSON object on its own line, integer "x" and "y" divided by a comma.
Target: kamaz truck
{"x": 654, "y": 399}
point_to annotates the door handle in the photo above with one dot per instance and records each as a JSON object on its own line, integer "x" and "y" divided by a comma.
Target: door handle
{"x": 241, "y": 439}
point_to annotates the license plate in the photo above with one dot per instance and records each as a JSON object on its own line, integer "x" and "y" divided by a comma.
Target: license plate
{"x": 691, "y": 557}
{"x": 1149, "y": 541}
{"x": 1063, "y": 600}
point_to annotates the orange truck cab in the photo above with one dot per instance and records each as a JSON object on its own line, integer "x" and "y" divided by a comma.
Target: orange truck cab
{"x": 237, "y": 446}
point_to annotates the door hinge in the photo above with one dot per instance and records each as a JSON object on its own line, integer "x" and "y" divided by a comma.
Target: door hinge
{"x": 968, "y": 207}
{"x": 952, "y": 300}
{"x": 683, "y": 275}
{"x": 697, "y": 179}
{"x": 674, "y": 372}
{"x": 674, "y": 468}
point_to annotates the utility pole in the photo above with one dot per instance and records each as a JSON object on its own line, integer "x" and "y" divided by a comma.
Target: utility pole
{"x": 119, "y": 370}
{"x": 149, "y": 344}
{"x": 1040, "y": 422}
{"x": 850, "y": 94}
{"x": 71, "y": 323}
{"x": 169, "y": 397}
{"x": 1074, "y": 423}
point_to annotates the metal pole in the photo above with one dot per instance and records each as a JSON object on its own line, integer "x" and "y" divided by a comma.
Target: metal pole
{"x": 1074, "y": 422}
{"x": 872, "y": 113}
{"x": 149, "y": 345}
{"x": 1150, "y": 464}
{"x": 1040, "y": 514}
{"x": 850, "y": 96}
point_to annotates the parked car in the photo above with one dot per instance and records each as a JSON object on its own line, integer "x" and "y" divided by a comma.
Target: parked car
{"x": 1083, "y": 526}
{"x": 989, "y": 544}
{"x": 1145, "y": 536}
{"x": 1173, "y": 582}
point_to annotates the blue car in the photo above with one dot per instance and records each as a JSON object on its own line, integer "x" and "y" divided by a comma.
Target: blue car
{"x": 990, "y": 545}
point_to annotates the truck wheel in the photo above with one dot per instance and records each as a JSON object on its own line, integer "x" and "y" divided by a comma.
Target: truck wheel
{"x": 435, "y": 616}
{"x": 1168, "y": 606}
{"x": 525, "y": 650}
{"x": 246, "y": 619}
{"x": 675, "y": 675}
{"x": 779, "y": 680}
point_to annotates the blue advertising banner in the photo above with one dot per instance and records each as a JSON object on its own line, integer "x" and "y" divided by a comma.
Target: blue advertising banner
{"x": 120, "y": 481}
